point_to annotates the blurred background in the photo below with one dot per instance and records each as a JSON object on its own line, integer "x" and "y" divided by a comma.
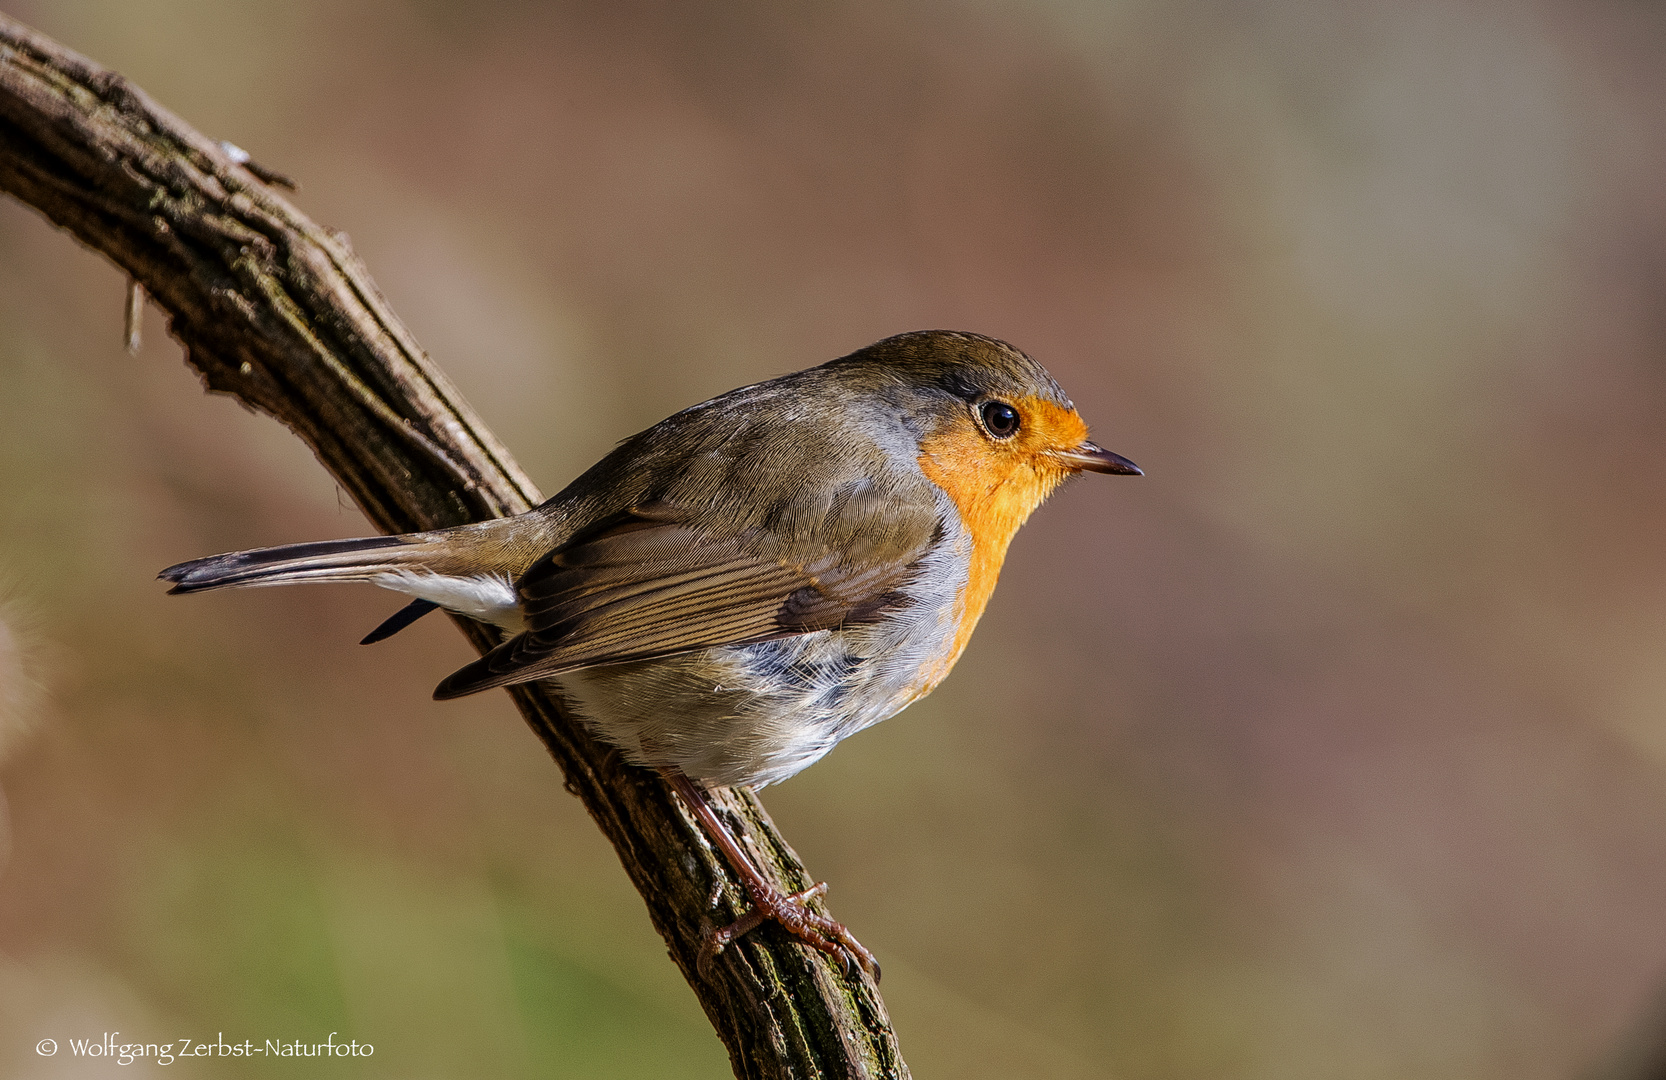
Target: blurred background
{"x": 1333, "y": 748}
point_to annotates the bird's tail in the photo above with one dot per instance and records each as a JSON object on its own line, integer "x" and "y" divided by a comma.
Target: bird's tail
{"x": 329, "y": 560}
{"x": 469, "y": 569}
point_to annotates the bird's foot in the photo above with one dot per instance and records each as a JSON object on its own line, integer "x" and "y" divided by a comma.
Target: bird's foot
{"x": 792, "y": 912}
{"x": 769, "y": 903}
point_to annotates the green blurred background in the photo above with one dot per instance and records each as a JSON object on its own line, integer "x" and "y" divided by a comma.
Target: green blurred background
{"x": 1333, "y": 748}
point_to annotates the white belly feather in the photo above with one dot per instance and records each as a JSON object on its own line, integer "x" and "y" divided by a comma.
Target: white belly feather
{"x": 757, "y": 714}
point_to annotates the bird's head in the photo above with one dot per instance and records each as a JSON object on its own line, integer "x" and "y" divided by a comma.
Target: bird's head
{"x": 995, "y": 431}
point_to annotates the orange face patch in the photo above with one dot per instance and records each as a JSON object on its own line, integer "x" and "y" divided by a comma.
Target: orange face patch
{"x": 996, "y": 484}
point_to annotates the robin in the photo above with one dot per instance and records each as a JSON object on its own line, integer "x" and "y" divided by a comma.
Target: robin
{"x": 731, "y": 592}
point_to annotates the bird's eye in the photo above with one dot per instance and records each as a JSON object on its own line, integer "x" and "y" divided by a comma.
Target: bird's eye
{"x": 1000, "y": 418}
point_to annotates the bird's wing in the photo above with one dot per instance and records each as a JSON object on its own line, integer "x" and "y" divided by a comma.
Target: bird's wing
{"x": 646, "y": 584}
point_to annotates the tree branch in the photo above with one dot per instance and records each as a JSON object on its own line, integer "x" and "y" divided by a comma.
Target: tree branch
{"x": 280, "y": 313}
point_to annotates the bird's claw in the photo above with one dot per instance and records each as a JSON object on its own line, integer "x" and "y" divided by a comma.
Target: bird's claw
{"x": 792, "y": 912}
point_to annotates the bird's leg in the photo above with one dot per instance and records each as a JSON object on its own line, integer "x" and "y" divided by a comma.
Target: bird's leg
{"x": 769, "y": 903}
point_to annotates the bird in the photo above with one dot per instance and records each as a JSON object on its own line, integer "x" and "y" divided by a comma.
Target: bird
{"x": 730, "y": 593}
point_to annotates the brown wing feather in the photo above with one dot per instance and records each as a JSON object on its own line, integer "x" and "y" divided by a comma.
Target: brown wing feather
{"x": 644, "y": 584}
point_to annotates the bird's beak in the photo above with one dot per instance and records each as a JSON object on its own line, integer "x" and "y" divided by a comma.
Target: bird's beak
{"x": 1090, "y": 457}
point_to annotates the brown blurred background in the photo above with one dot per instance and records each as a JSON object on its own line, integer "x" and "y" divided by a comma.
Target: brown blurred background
{"x": 1333, "y": 748}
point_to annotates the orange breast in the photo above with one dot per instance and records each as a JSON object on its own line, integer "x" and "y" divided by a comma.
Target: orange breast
{"x": 995, "y": 486}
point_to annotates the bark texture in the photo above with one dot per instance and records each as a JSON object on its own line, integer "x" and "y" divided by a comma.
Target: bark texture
{"x": 280, "y": 313}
